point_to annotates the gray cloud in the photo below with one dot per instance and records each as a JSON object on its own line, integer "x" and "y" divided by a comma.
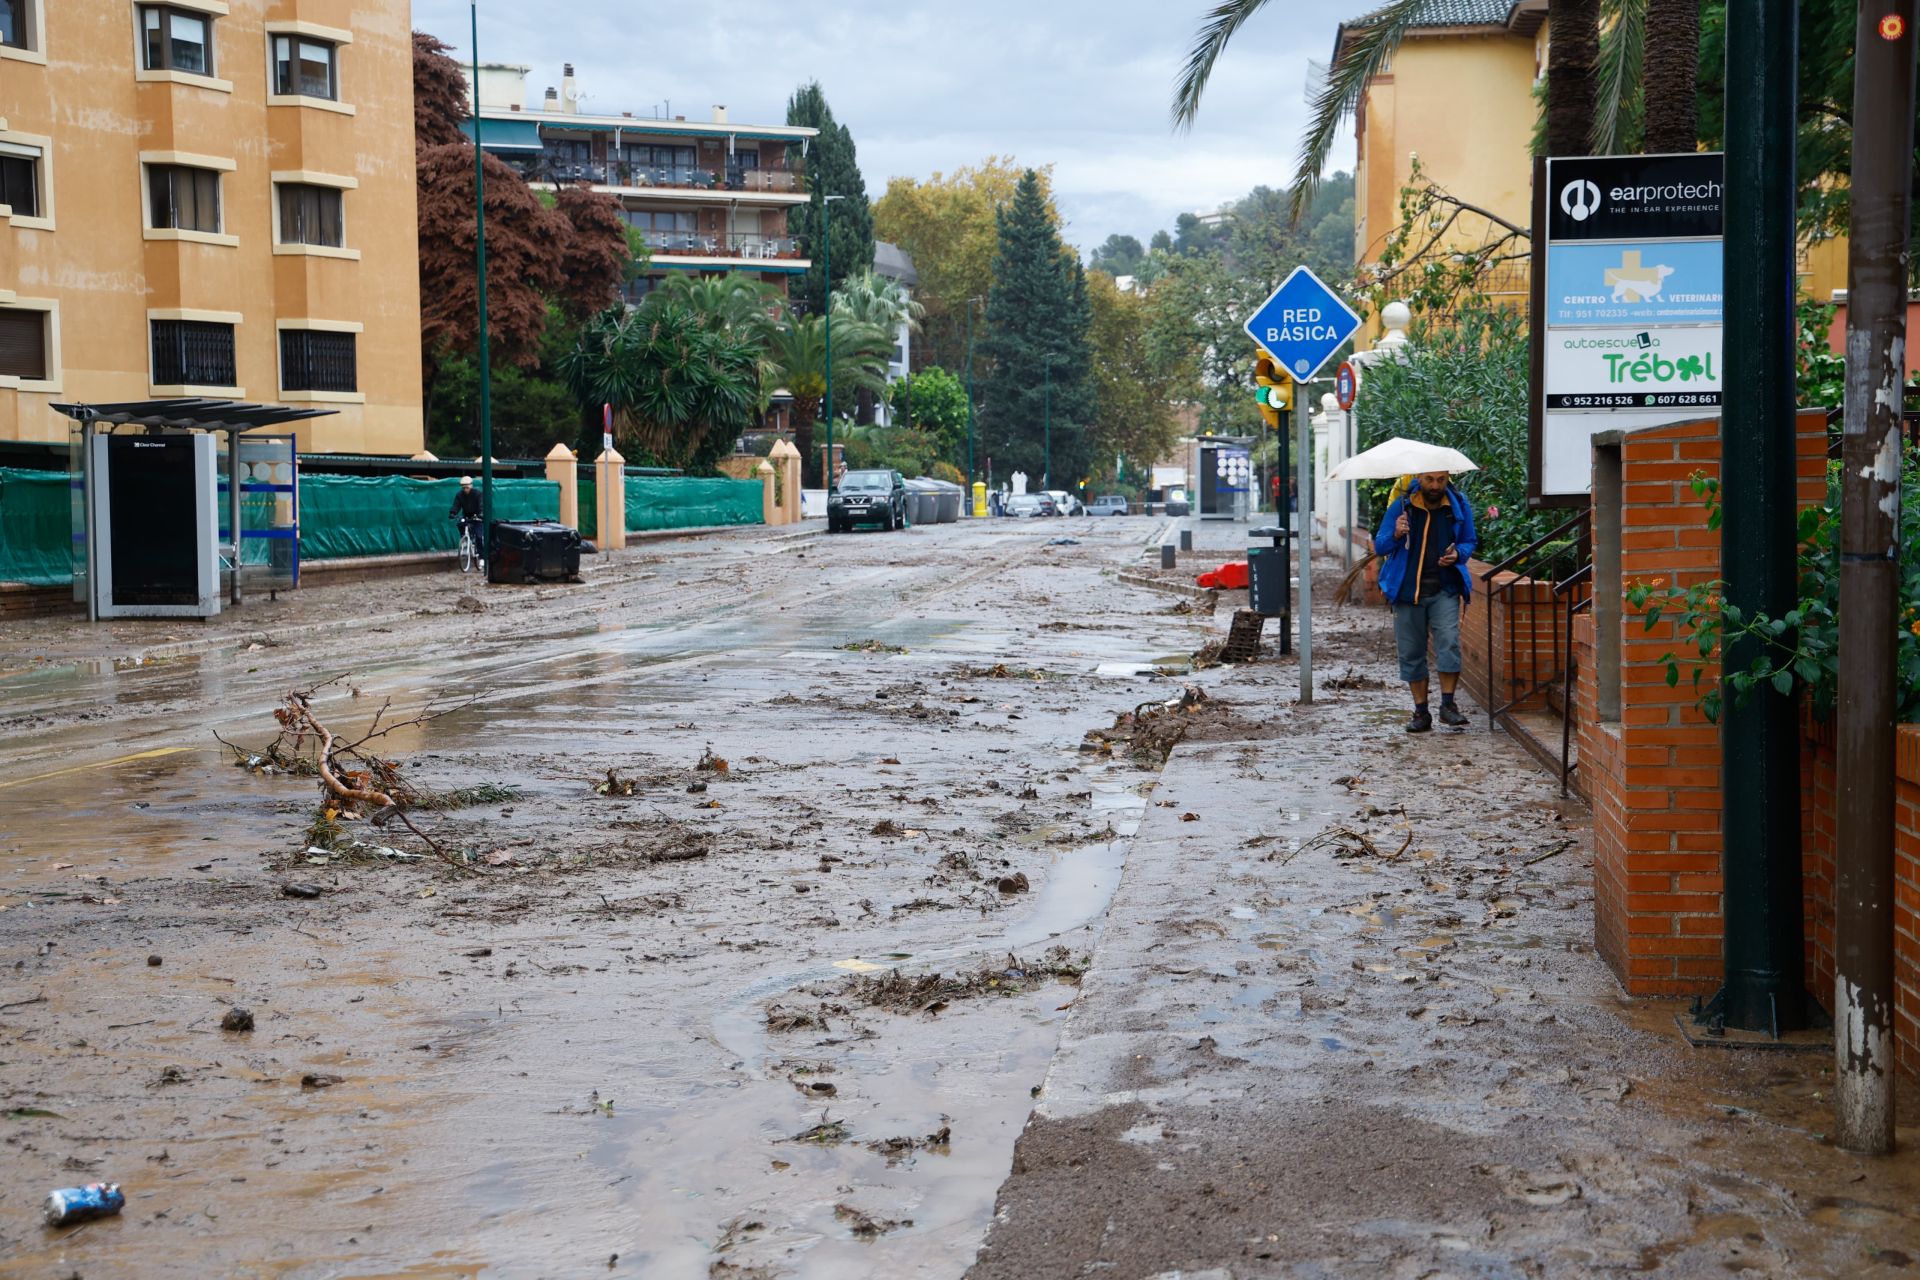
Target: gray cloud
{"x": 924, "y": 89}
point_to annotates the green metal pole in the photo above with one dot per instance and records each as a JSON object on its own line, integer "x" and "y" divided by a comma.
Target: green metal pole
{"x": 1046, "y": 414}
{"x": 1760, "y": 783}
{"x": 970, "y": 470}
{"x": 480, "y": 268}
{"x": 826, "y": 290}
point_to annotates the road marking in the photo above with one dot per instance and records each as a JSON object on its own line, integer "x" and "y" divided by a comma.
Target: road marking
{"x": 98, "y": 764}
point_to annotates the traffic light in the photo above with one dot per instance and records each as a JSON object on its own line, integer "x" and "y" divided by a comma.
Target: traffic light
{"x": 1274, "y": 392}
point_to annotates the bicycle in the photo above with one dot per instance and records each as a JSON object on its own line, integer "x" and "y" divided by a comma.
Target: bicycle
{"x": 469, "y": 551}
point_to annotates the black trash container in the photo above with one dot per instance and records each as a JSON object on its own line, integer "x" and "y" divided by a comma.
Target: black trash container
{"x": 534, "y": 551}
{"x": 1267, "y": 581}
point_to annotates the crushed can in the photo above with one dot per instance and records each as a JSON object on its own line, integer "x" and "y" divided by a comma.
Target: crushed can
{"x": 69, "y": 1205}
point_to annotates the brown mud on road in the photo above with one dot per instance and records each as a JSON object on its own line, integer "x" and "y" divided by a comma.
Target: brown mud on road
{"x": 1346, "y": 1020}
{"x": 572, "y": 1057}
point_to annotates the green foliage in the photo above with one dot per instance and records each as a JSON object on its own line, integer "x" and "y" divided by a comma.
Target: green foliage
{"x": 1037, "y": 320}
{"x": 1443, "y": 253}
{"x": 1120, "y": 255}
{"x": 1194, "y": 316}
{"x": 934, "y": 401}
{"x": 1800, "y": 649}
{"x": 908, "y": 450}
{"x": 833, "y": 168}
{"x": 682, "y": 389}
{"x": 1133, "y": 391}
{"x": 878, "y": 300}
{"x": 1821, "y": 373}
{"x": 1464, "y": 383}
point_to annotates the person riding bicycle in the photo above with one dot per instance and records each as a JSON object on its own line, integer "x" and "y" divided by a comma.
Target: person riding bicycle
{"x": 466, "y": 509}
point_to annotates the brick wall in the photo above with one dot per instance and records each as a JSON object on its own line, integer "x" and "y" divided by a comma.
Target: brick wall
{"x": 1653, "y": 775}
{"x": 1819, "y": 832}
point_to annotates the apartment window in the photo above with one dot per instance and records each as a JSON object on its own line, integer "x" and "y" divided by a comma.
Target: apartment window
{"x": 183, "y": 197}
{"x": 193, "y": 353}
{"x": 14, "y": 17}
{"x": 176, "y": 39}
{"x": 23, "y": 344}
{"x": 311, "y": 215}
{"x": 661, "y": 219}
{"x": 309, "y": 68}
{"x": 318, "y": 360}
{"x": 20, "y": 178}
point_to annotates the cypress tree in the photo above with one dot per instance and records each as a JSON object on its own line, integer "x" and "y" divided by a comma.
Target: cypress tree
{"x": 832, "y": 168}
{"x": 1037, "y": 316}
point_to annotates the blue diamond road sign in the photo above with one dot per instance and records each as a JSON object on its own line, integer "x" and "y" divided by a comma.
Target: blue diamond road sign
{"x": 1302, "y": 323}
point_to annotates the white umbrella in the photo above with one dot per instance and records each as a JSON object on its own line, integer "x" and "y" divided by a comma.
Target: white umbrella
{"x": 1397, "y": 457}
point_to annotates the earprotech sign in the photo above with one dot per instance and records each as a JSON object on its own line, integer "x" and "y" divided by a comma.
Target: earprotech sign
{"x": 1635, "y": 197}
{"x": 1628, "y": 307}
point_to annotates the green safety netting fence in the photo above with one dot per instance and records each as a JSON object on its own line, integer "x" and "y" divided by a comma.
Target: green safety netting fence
{"x": 687, "y": 502}
{"x": 36, "y": 527}
{"x": 387, "y": 515}
{"x": 370, "y": 515}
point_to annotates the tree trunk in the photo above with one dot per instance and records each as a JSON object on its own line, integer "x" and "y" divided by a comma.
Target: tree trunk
{"x": 1671, "y": 75}
{"x": 805, "y": 410}
{"x": 1573, "y": 48}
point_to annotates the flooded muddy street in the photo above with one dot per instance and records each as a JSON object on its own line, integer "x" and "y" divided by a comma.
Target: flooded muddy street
{"x": 635, "y": 1033}
{"x": 869, "y": 906}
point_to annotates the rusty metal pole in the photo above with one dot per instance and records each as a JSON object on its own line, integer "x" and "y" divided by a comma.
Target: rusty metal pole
{"x": 1883, "y": 92}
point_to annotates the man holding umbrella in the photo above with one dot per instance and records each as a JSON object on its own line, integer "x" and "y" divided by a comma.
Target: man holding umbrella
{"x": 1427, "y": 538}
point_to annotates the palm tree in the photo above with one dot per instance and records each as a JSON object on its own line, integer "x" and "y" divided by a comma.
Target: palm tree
{"x": 747, "y": 308}
{"x": 1573, "y": 50}
{"x": 796, "y": 358}
{"x": 1673, "y": 74}
{"x": 1570, "y": 75}
{"x": 681, "y": 388}
{"x": 878, "y": 300}
{"x": 1617, "y": 75}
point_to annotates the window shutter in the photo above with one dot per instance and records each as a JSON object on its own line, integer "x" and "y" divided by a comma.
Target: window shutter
{"x": 23, "y": 343}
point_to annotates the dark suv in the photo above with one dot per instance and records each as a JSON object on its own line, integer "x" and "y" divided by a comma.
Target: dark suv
{"x": 868, "y": 496}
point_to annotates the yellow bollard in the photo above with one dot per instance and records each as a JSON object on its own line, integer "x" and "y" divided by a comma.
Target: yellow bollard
{"x": 610, "y": 498}
{"x": 563, "y": 468}
{"x": 979, "y": 498}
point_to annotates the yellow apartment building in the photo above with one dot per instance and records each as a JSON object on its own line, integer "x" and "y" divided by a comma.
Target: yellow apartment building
{"x": 210, "y": 198}
{"x": 1459, "y": 94}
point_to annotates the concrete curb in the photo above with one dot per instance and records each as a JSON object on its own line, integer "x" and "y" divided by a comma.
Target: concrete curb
{"x": 1134, "y": 579}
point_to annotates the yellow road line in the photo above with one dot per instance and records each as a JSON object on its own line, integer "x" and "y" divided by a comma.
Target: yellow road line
{"x": 98, "y": 764}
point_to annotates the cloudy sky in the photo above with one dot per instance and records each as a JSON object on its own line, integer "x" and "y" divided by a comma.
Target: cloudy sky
{"x": 927, "y": 88}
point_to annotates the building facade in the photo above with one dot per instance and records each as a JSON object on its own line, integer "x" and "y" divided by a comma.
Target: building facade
{"x": 891, "y": 262}
{"x": 707, "y": 196}
{"x": 1459, "y": 94}
{"x": 210, "y": 198}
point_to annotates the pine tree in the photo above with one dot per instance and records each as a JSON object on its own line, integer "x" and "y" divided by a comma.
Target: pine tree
{"x": 1037, "y": 318}
{"x": 833, "y": 168}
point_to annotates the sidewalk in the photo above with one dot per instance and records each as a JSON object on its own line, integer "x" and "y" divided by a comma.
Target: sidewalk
{"x": 1345, "y": 1019}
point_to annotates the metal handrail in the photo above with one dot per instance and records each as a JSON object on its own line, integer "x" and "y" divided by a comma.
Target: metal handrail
{"x": 1567, "y": 763}
{"x": 1573, "y": 530}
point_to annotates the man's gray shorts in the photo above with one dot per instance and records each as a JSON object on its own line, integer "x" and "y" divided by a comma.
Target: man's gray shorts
{"x": 1411, "y": 624}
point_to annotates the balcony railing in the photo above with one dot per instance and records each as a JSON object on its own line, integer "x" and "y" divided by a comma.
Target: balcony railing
{"x": 609, "y": 173}
{"x": 720, "y": 244}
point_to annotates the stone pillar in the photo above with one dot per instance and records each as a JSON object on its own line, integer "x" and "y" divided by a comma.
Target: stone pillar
{"x": 770, "y": 513}
{"x": 786, "y": 458}
{"x": 563, "y": 468}
{"x": 610, "y": 493}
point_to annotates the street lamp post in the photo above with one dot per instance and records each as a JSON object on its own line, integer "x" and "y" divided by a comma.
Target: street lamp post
{"x": 480, "y": 267}
{"x": 1046, "y": 416}
{"x": 826, "y": 289}
{"x": 970, "y": 471}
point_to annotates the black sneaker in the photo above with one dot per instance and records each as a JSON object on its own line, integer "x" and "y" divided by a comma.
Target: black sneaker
{"x": 1421, "y": 721}
{"x": 1450, "y": 715}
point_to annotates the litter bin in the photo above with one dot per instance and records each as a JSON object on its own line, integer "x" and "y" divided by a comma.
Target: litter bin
{"x": 534, "y": 551}
{"x": 923, "y": 503}
{"x": 1267, "y": 581}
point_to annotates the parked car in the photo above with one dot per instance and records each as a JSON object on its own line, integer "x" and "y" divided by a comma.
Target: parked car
{"x": 1108, "y": 504}
{"x": 868, "y": 497}
{"x": 1066, "y": 504}
{"x": 1031, "y": 504}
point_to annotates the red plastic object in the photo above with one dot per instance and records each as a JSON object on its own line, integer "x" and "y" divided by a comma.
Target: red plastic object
{"x": 1231, "y": 576}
